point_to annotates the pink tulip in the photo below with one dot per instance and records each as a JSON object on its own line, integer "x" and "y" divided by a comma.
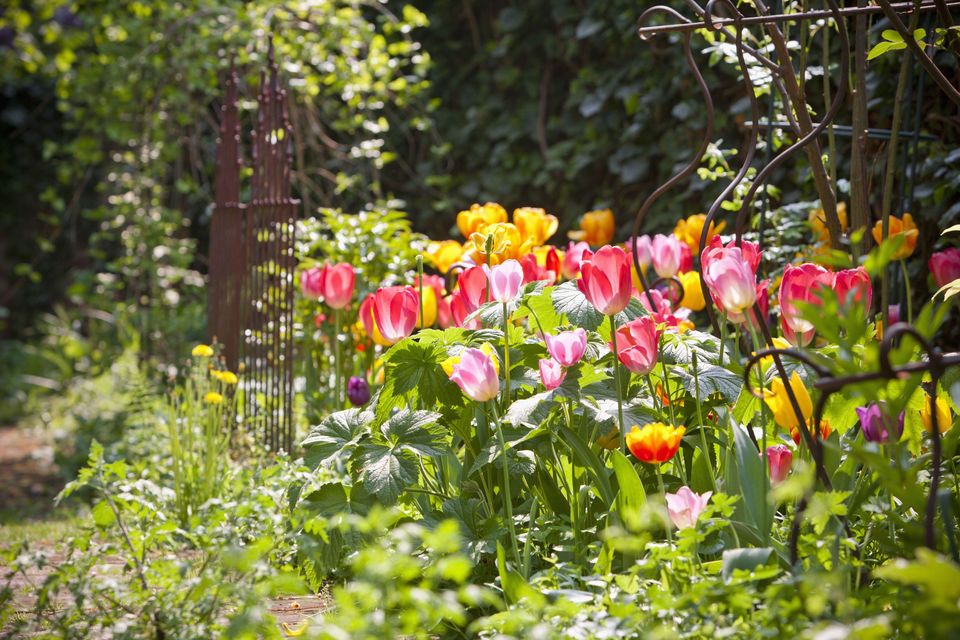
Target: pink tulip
{"x": 763, "y": 301}
{"x": 576, "y": 253}
{"x": 685, "y": 507}
{"x": 779, "y": 458}
{"x": 337, "y": 285}
{"x": 637, "y": 343}
{"x": 567, "y": 348}
{"x": 504, "y": 280}
{"x": 476, "y": 375}
{"x": 473, "y": 287}
{"x": 945, "y": 266}
{"x": 311, "y": 282}
{"x": 801, "y": 339}
{"x": 856, "y": 281}
{"x": 395, "y": 310}
{"x": 749, "y": 251}
{"x": 605, "y": 280}
{"x": 460, "y": 308}
{"x": 730, "y": 277}
{"x": 644, "y": 250}
{"x": 667, "y": 254}
{"x": 552, "y": 373}
{"x": 444, "y": 315}
{"x": 800, "y": 284}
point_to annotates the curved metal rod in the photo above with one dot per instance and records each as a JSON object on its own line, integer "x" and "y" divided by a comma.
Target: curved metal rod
{"x": 812, "y": 135}
{"x": 692, "y": 165}
{"x": 673, "y": 283}
{"x": 750, "y": 143}
{"x": 796, "y": 354}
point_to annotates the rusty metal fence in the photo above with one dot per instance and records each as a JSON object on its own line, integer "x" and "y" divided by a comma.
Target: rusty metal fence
{"x": 252, "y": 261}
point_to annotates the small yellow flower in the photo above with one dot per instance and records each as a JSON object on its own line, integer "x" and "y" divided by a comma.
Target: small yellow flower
{"x": 535, "y": 224}
{"x": 818, "y": 222}
{"x": 944, "y": 418}
{"x": 478, "y": 216}
{"x": 690, "y": 230}
{"x": 596, "y": 227}
{"x": 212, "y": 397}
{"x": 444, "y": 255}
{"x": 779, "y": 402}
{"x": 899, "y": 226}
{"x": 226, "y": 377}
{"x": 202, "y": 351}
{"x": 692, "y": 291}
{"x": 448, "y": 364}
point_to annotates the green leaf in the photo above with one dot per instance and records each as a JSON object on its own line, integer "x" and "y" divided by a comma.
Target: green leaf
{"x": 591, "y": 462}
{"x": 386, "y": 472}
{"x": 631, "y": 496}
{"x": 515, "y": 588}
{"x": 570, "y": 302}
{"x": 334, "y": 498}
{"x": 712, "y": 379}
{"x": 747, "y": 477}
{"x": 824, "y": 505}
{"x": 530, "y": 410}
{"x": 335, "y": 437}
{"x": 103, "y": 515}
{"x": 408, "y": 430}
{"x": 934, "y": 574}
{"x": 745, "y": 560}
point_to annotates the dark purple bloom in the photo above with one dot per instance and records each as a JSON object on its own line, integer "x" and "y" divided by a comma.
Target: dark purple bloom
{"x": 877, "y": 426}
{"x": 358, "y": 391}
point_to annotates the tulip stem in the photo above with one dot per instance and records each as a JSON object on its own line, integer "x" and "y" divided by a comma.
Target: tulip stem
{"x": 703, "y": 427}
{"x": 616, "y": 382}
{"x": 507, "y": 497}
{"x": 663, "y": 494}
{"x": 506, "y": 358}
{"x": 336, "y": 359}
{"x": 420, "y": 285}
{"x": 906, "y": 285}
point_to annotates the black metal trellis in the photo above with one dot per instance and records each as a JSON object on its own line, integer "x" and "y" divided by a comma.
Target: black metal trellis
{"x": 807, "y": 134}
{"x": 252, "y": 260}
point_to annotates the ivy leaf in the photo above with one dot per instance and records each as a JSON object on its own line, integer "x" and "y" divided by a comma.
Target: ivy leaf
{"x": 387, "y": 471}
{"x": 407, "y": 430}
{"x": 823, "y": 505}
{"x": 335, "y": 437}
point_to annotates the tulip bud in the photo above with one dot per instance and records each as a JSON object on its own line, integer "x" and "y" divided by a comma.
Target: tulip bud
{"x": 358, "y": 391}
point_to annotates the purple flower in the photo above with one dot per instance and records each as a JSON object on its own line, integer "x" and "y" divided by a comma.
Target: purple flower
{"x": 876, "y": 425}
{"x": 358, "y": 391}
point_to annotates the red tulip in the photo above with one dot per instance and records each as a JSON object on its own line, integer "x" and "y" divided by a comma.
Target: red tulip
{"x": 311, "y": 282}
{"x": 856, "y": 281}
{"x": 473, "y": 287}
{"x": 779, "y": 458}
{"x": 337, "y": 285}
{"x": 800, "y": 284}
{"x": 460, "y": 308}
{"x": 637, "y": 343}
{"x": 945, "y": 266}
{"x": 605, "y": 280}
{"x": 553, "y": 264}
{"x": 395, "y": 310}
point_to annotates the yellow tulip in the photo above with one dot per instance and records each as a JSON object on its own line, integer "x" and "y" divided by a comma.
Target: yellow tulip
{"x": 692, "y": 291}
{"x": 690, "y": 230}
{"x": 944, "y": 418}
{"x": 505, "y": 243}
{"x": 779, "y": 402}
{"x": 443, "y": 255}
{"x": 477, "y": 216}
{"x": 429, "y": 307}
{"x": 535, "y": 224}
{"x": 596, "y": 227}
{"x": 899, "y": 227}
{"x": 818, "y": 222}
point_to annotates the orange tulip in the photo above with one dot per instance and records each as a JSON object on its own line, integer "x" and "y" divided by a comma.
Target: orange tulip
{"x": 655, "y": 443}
{"x": 899, "y": 227}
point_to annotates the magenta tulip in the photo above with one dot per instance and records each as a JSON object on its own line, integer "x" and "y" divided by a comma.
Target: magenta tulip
{"x": 476, "y": 375}
{"x": 667, "y": 254}
{"x": 575, "y": 254}
{"x": 853, "y": 285}
{"x": 801, "y": 284}
{"x": 567, "y": 347}
{"x": 552, "y": 373}
{"x": 730, "y": 278}
{"x": 338, "y": 285}
{"x": 685, "y": 507}
{"x": 945, "y": 266}
{"x": 637, "y": 343}
{"x": 504, "y": 280}
{"x": 311, "y": 282}
{"x": 876, "y": 425}
{"x": 605, "y": 280}
{"x": 779, "y": 459}
{"x": 395, "y": 310}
